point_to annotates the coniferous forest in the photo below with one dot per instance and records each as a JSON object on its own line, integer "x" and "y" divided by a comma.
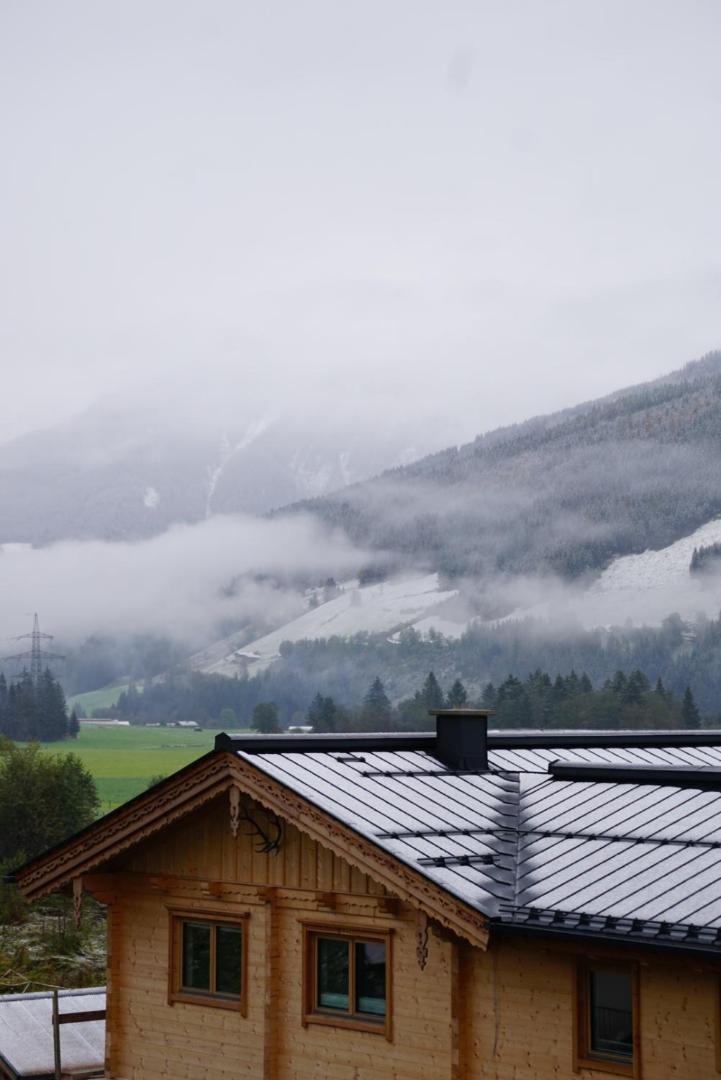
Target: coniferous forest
{"x": 35, "y": 710}
{"x": 626, "y": 700}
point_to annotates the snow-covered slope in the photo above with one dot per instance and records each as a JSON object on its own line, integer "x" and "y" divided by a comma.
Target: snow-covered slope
{"x": 640, "y": 589}
{"x": 382, "y": 608}
{"x": 654, "y": 570}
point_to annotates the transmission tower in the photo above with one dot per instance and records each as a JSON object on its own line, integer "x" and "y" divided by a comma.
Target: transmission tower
{"x": 37, "y": 655}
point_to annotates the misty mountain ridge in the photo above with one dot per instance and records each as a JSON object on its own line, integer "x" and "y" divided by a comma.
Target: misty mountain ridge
{"x": 127, "y": 469}
{"x": 563, "y": 494}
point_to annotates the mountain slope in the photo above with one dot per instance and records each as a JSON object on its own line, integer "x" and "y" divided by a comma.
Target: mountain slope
{"x": 564, "y": 493}
{"x": 131, "y": 468}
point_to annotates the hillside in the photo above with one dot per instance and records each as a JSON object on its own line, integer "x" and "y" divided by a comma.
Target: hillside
{"x": 563, "y": 494}
{"x": 132, "y": 467}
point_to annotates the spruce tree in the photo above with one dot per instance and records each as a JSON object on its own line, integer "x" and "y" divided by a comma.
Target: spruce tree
{"x": 265, "y": 718}
{"x": 376, "y": 711}
{"x": 322, "y": 713}
{"x": 73, "y": 725}
{"x": 585, "y": 685}
{"x": 457, "y": 695}
{"x": 489, "y": 696}
{"x": 689, "y": 713}
{"x": 431, "y": 693}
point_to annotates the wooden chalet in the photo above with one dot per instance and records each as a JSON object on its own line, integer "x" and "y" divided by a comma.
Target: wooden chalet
{"x": 457, "y": 904}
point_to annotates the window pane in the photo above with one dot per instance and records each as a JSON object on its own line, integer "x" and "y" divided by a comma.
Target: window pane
{"x": 611, "y": 1014}
{"x": 370, "y": 977}
{"x": 228, "y": 955}
{"x": 333, "y": 973}
{"x": 196, "y": 956}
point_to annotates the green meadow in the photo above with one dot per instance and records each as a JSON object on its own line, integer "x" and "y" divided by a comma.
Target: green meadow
{"x": 97, "y": 699}
{"x": 124, "y": 759}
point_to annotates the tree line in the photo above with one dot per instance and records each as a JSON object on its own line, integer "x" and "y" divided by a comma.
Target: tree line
{"x": 35, "y": 710}
{"x": 626, "y": 701}
{"x": 680, "y": 652}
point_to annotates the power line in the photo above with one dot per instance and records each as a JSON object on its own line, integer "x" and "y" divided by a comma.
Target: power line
{"x": 36, "y": 654}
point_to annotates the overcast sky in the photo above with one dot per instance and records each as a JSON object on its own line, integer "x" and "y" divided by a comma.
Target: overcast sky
{"x": 479, "y": 210}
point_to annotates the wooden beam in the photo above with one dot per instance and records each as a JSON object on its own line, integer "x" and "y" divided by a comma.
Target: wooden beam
{"x": 271, "y": 1008}
{"x": 81, "y": 1017}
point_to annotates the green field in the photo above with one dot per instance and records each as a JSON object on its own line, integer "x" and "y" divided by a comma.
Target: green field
{"x": 97, "y": 699}
{"x": 123, "y": 759}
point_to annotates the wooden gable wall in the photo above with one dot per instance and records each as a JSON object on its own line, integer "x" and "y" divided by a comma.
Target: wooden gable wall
{"x": 208, "y": 850}
{"x": 197, "y": 865}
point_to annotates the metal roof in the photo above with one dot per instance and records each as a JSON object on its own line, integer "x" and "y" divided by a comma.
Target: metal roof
{"x": 26, "y": 1033}
{"x": 624, "y": 842}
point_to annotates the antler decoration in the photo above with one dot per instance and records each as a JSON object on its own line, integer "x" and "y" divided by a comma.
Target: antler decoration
{"x": 269, "y": 836}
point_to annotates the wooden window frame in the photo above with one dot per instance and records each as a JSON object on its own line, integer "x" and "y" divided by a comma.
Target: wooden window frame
{"x": 583, "y": 1056}
{"x": 214, "y": 919}
{"x": 314, "y": 1014}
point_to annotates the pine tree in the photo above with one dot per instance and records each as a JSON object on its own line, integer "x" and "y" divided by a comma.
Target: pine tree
{"x": 265, "y": 718}
{"x": 457, "y": 695}
{"x": 322, "y": 713}
{"x": 660, "y": 688}
{"x": 431, "y": 693}
{"x": 618, "y": 683}
{"x": 376, "y": 712}
{"x": 73, "y": 725}
{"x": 689, "y": 713}
{"x": 489, "y": 696}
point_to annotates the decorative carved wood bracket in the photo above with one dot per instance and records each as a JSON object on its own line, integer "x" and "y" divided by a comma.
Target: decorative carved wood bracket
{"x": 77, "y": 900}
{"x": 269, "y": 836}
{"x": 422, "y": 939}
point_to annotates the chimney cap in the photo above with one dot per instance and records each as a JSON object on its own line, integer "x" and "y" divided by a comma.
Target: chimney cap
{"x": 461, "y": 712}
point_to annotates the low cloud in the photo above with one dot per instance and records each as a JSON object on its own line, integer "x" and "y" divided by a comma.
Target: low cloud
{"x": 183, "y": 584}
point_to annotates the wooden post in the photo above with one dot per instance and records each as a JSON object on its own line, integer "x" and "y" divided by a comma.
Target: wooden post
{"x": 56, "y": 1034}
{"x": 271, "y": 948}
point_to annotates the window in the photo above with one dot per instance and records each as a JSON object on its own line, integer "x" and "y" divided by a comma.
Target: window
{"x": 207, "y": 960}
{"x": 607, "y": 1018}
{"x": 347, "y": 978}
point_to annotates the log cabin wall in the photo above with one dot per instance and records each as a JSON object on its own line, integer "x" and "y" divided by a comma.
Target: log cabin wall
{"x": 504, "y": 1014}
{"x": 201, "y": 866}
{"x": 519, "y": 1004}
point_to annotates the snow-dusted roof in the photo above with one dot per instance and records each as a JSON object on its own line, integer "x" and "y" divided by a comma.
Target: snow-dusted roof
{"x": 640, "y": 860}
{"x": 26, "y": 1033}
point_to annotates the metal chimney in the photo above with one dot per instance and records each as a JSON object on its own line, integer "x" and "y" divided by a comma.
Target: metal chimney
{"x": 461, "y": 738}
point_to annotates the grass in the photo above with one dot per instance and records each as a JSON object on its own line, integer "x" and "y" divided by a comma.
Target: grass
{"x": 104, "y": 698}
{"x": 124, "y": 759}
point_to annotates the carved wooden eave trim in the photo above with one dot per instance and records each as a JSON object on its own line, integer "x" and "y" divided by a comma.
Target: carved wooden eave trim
{"x": 211, "y": 777}
{"x": 125, "y": 827}
{"x": 398, "y": 878}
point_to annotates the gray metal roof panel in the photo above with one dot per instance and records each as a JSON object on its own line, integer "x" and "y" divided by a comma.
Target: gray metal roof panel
{"x": 640, "y": 853}
{"x": 26, "y": 1033}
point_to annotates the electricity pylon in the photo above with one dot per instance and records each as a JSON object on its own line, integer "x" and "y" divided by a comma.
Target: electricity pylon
{"x": 37, "y": 656}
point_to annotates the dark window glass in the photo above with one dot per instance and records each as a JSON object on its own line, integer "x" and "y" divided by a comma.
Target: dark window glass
{"x": 228, "y": 955}
{"x": 196, "y": 956}
{"x": 333, "y": 989}
{"x": 611, "y": 1014}
{"x": 370, "y": 977}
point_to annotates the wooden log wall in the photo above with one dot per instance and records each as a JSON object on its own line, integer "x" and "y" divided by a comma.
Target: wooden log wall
{"x": 504, "y": 1014}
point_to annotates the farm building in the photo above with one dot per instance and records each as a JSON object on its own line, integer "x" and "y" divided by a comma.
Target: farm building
{"x": 456, "y": 904}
